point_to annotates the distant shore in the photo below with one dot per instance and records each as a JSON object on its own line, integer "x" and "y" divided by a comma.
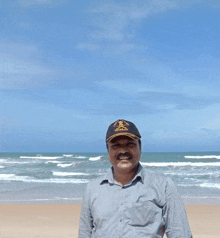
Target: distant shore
{"x": 62, "y": 220}
{"x": 78, "y": 200}
{"x": 58, "y": 178}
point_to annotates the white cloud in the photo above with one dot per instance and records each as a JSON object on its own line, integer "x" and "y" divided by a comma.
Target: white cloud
{"x": 34, "y": 2}
{"x": 18, "y": 49}
{"x": 213, "y": 3}
{"x": 28, "y": 3}
{"x": 24, "y": 25}
{"x": 119, "y": 21}
{"x": 122, "y": 48}
{"x": 114, "y": 21}
{"x": 214, "y": 122}
{"x": 19, "y": 68}
{"x": 88, "y": 46}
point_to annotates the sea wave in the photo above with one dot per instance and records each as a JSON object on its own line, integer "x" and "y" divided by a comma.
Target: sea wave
{"x": 202, "y": 156}
{"x": 96, "y": 158}
{"x": 14, "y": 162}
{"x": 70, "y": 174}
{"x": 54, "y": 180}
{"x": 53, "y": 162}
{"x": 212, "y": 174}
{"x": 3, "y": 160}
{"x": 68, "y": 156}
{"x": 41, "y": 157}
{"x": 14, "y": 177}
{"x": 178, "y": 164}
{"x": 36, "y": 200}
{"x": 210, "y": 185}
{"x": 66, "y": 165}
{"x": 79, "y": 157}
{"x": 201, "y": 185}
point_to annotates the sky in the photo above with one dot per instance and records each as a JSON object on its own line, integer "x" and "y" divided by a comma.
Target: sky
{"x": 68, "y": 69}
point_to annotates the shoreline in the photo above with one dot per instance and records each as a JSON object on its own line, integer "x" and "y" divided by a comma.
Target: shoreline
{"x": 78, "y": 200}
{"x": 62, "y": 220}
{"x": 201, "y": 200}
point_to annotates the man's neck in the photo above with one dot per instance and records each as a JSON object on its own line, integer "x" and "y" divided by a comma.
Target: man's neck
{"x": 123, "y": 177}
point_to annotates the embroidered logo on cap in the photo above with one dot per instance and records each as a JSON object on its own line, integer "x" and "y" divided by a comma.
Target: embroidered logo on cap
{"x": 121, "y": 126}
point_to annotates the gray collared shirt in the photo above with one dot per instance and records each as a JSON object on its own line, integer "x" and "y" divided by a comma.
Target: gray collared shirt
{"x": 147, "y": 206}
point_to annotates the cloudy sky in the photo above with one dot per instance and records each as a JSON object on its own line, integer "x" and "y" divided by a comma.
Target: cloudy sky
{"x": 70, "y": 68}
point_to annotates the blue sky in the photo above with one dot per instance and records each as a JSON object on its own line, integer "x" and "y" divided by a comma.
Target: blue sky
{"x": 70, "y": 68}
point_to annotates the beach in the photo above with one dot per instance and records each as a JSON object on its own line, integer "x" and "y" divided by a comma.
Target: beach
{"x": 41, "y": 194}
{"x": 54, "y": 178}
{"x": 62, "y": 220}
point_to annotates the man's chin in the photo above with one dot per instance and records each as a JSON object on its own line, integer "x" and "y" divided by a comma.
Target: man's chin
{"x": 124, "y": 159}
{"x": 124, "y": 164}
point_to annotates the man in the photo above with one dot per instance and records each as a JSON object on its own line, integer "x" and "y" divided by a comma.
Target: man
{"x": 129, "y": 201}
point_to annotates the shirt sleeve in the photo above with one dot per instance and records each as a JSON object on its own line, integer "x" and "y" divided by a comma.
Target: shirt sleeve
{"x": 85, "y": 221}
{"x": 174, "y": 214}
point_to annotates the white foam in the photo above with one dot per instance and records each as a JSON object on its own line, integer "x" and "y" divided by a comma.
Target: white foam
{"x": 3, "y": 160}
{"x": 53, "y": 162}
{"x": 70, "y": 174}
{"x": 74, "y": 181}
{"x": 96, "y": 158}
{"x": 15, "y": 162}
{"x": 203, "y": 185}
{"x": 66, "y": 165}
{"x": 80, "y": 157}
{"x": 40, "y": 157}
{"x": 40, "y": 199}
{"x": 2, "y": 167}
{"x": 202, "y": 157}
{"x": 5, "y": 176}
{"x": 180, "y": 164}
{"x": 210, "y": 185}
{"x": 68, "y": 156}
{"x": 192, "y": 173}
{"x": 13, "y": 177}
{"x": 54, "y": 180}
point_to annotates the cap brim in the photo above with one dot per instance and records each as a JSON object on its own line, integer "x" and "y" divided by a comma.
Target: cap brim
{"x": 132, "y": 136}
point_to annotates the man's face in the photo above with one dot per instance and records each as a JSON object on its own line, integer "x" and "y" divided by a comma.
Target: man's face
{"x": 124, "y": 154}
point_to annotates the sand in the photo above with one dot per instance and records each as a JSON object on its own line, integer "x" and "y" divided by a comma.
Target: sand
{"x": 53, "y": 221}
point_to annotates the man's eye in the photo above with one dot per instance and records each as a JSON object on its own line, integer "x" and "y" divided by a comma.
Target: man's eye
{"x": 131, "y": 145}
{"x": 115, "y": 146}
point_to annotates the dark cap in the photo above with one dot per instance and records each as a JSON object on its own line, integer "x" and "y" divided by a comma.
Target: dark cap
{"x": 122, "y": 128}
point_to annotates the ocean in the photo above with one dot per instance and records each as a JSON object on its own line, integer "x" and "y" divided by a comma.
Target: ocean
{"x": 61, "y": 178}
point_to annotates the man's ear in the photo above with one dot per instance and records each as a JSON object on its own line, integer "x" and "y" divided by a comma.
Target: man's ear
{"x": 139, "y": 143}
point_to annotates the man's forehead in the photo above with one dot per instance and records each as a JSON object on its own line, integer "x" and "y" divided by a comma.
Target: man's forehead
{"x": 119, "y": 138}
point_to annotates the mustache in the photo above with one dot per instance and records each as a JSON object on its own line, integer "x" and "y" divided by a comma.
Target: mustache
{"x": 124, "y": 154}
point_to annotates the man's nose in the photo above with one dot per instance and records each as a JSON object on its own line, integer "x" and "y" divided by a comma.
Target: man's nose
{"x": 123, "y": 149}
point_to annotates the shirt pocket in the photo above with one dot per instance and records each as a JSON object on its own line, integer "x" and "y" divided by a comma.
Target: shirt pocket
{"x": 142, "y": 214}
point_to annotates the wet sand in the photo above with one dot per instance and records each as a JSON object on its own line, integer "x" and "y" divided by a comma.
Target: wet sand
{"x": 56, "y": 220}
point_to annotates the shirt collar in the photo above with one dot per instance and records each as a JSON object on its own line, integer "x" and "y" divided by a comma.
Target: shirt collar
{"x": 140, "y": 173}
{"x": 108, "y": 177}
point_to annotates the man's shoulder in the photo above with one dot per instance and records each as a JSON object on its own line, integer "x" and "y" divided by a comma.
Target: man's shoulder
{"x": 159, "y": 183}
{"x": 98, "y": 181}
{"x": 155, "y": 178}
